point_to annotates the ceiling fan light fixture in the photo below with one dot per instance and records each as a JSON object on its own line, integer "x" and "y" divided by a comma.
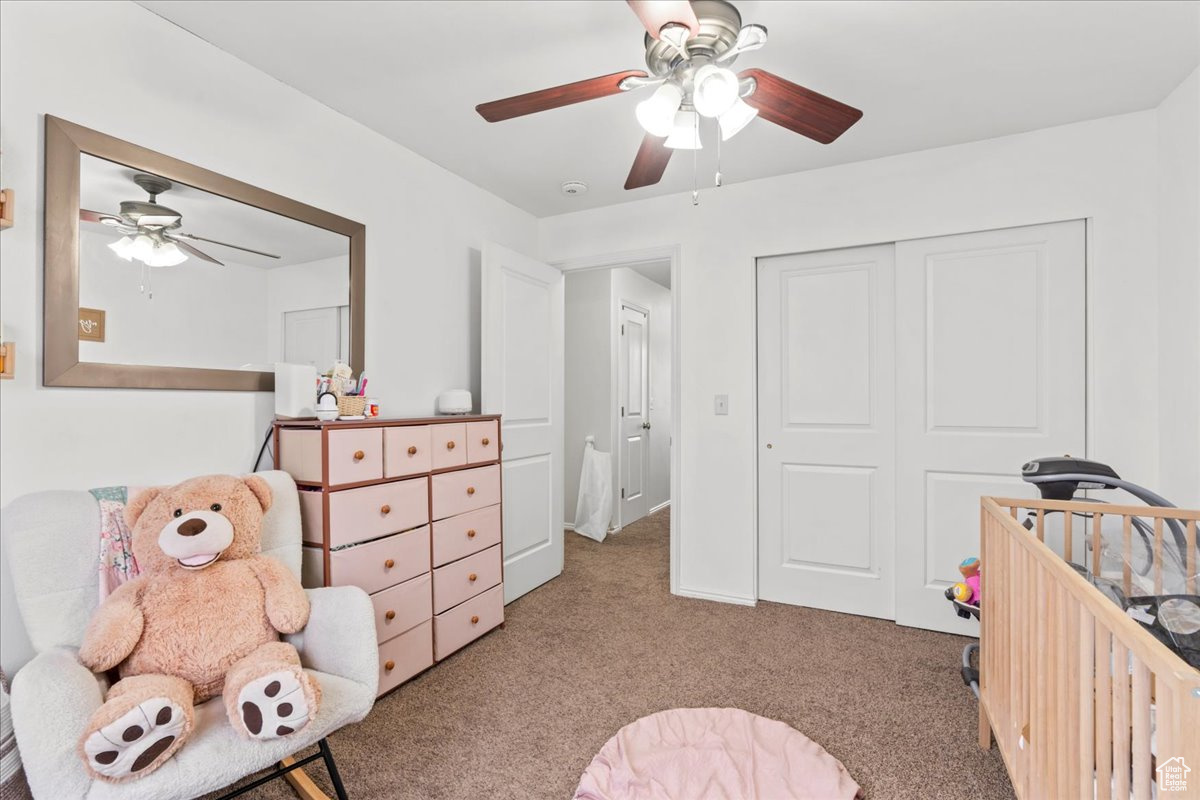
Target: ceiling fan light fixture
{"x": 141, "y": 248}
{"x": 656, "y": 114}
{"x": 123, "y": 248}
{"x": 716, "y": 90}
{"x": 166, "y": 255}
{"x": 676, "y": 35}
{"x": 737, "y": 117}
{"x": 750, "y": 37}
{"x": 685, "y": 135}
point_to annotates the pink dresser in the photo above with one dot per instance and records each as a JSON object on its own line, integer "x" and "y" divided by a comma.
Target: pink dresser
{"x": 410, "y": 510}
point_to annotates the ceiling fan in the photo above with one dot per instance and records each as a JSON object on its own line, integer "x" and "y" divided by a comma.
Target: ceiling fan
{"x": 689, "y": 47}
{"x": 151, "y": 230}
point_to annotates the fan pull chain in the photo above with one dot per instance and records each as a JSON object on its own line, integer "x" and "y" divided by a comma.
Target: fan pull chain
{"x": 142, "y": 285}
{"x": 696, "y": 160}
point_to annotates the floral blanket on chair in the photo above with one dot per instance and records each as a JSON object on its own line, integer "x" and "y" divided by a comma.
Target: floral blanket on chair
{"x": 116, "y": 564}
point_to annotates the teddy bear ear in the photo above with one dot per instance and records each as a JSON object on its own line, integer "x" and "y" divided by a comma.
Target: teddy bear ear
{"x": 260, "y": 489}
{"x": 138, "y": 503}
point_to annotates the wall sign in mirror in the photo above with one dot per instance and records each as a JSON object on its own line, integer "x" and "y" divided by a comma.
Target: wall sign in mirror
{"x": 91, "y": 324}
{"x": 208, "y": 280}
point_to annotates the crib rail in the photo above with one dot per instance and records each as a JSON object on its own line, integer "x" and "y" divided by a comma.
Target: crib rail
{"x": 1080, "y": 697}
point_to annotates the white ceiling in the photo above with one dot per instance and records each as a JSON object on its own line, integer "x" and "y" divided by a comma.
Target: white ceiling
{"x": 657, "y": 271}
{"x": 104, "y": 184}
{"x": 926, "y": 73}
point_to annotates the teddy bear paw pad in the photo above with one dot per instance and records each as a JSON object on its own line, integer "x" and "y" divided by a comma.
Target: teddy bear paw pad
{"x": 273, "y": 705}
{"x": 141, "y": 738}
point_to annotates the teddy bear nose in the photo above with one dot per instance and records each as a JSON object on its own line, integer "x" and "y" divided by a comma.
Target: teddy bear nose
{"x": 191, "y": 527}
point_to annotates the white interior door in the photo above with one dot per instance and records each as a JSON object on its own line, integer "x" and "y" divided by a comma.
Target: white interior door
{"x": 312, "y": 336}
{"x": 633, "y": 415}
{"x": 826, "y": 435}
{"x": 521, "y": 359}
{"x": 990, "y": 353}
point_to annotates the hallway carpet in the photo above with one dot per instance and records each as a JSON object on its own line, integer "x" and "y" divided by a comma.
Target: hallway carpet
{"x": 520, "y": 713}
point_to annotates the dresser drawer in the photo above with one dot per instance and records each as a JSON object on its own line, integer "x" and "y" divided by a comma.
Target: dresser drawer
{"x": 300, "y": 454}
{"x": 449, "y": 444}
{"x": 382, "y": 563}
{"x": 483, "y": 441}
{"x": 407, "y": 450}
{"x": 467, "y": 490}
{"x": 466, "y": 622}
{"x": 355, "y": 455}
{"x": 404, "y": 656}
{"x": 455, "y": 537}
{"x": 465, "y": 578}
{"x": 356, "y": 515}
{"x": 401, "y": 607}
{"x": 312, "y": 516}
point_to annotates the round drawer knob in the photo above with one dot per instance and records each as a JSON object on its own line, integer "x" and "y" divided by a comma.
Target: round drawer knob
{"x": 486, "y": 441}
{"x": 389, "y": 665}
{"x": 359, "y": 455}
{"x": 470, "y": 490}
{"x": 471, "y": 534}
{"x": 412, "y": 450}
{"x": 390, "y": 614}
{"x": 449, "y": 445}
{"x": 472, "y": 577}
{"x": 389, "y": 563}
{"x": 385, "y": 509}
{"x": 474, "y": 620}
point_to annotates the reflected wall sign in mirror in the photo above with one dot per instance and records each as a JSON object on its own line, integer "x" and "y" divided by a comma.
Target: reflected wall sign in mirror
{"x": 205, "y": 281}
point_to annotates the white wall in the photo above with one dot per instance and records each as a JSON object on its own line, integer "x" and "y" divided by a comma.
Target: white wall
{"x": 1102, "y": 169}
{"x": 424, "y": 230}
{"x": 629, "y": 285}
{"x": 588, "y": 390}
{"x": 296, "y": 287}
{"x": 200, "y": 316}
{"x": 1179, "y": 293}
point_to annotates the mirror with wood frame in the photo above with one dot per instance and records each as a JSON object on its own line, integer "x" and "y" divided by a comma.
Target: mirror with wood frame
{"x": 163, "y": 275}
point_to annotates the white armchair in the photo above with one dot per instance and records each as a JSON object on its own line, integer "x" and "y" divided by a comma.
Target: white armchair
{"x": 51, "y": 550}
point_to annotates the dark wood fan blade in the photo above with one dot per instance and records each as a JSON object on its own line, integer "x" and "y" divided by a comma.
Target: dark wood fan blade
{"x": 798, "y": 109}
{"x": 197, "y": 252}
{"x": 555, "y": 97}
{"x": 650, "y": 163}
{"x": 654, "y": 14}
{"x": 91, "y": 216}
{"x": 196, "y": 238}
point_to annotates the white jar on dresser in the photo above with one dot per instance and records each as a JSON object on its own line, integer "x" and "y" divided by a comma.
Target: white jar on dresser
{"x": 409, "y": 510}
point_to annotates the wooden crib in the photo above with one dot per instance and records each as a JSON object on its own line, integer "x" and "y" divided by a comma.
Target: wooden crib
{"x": 1067, "y": 723}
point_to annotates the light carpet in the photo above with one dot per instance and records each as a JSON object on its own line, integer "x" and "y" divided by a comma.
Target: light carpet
{"x": 520, "y": 713}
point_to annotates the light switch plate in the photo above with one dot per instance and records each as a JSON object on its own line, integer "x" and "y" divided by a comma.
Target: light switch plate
{"x": 721, "y": 404}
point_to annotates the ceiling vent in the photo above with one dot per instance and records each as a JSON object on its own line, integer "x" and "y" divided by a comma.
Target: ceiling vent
{"x": 574, "y": 188}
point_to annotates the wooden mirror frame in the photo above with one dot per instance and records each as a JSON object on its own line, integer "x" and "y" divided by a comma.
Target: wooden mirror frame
{"x": 65, "y": 142}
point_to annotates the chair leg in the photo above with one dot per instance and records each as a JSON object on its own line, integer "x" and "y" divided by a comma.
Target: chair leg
{"x": 331, "y": 766}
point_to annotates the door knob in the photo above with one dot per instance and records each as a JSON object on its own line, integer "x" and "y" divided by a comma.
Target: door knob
{"x": 646, "y": 426}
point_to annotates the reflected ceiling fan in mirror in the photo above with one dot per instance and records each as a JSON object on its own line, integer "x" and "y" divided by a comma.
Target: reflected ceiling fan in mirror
{"x": 689, "y": 47}
{"x": 151, "y": 230}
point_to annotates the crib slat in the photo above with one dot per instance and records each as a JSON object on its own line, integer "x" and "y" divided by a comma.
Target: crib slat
{"x": 1190, "y": 539}
{"x": 1085, "y": 698}
{"x": 1103, "y": 712}
{"x": 1141, "y": 731}
{"x": 1127, "y": 553}
{"x": 1070, "y": 704}
{"x": 1096, "y": 539}
{"x": 1068, "y": 534}
{"x": 1041, "y": 526}
{"x": 1158, "y": 555}
{"x": 1120, "y": 731}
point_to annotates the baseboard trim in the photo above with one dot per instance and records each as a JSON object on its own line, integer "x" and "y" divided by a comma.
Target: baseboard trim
{"x": 658, "y": 508}
{"x": 717, "y": 597}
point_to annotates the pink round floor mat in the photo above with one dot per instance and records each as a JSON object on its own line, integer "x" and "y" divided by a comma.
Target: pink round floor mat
{"x": 714, "y": 754}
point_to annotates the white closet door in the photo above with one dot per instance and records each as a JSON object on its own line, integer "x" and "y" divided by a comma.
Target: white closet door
{"x": 826, "y": 435}
{"x": 633, "y": 394}
{"x": 521, "y": 359}
{"x": 990, "y": 359}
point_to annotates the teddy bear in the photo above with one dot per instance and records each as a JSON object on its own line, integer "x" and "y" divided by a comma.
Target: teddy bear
{"x": 201, "y": 619}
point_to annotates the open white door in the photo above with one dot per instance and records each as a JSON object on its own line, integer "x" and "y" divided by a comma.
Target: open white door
{"x": 633, "y": 413}
{"x": 521, "y": 360}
